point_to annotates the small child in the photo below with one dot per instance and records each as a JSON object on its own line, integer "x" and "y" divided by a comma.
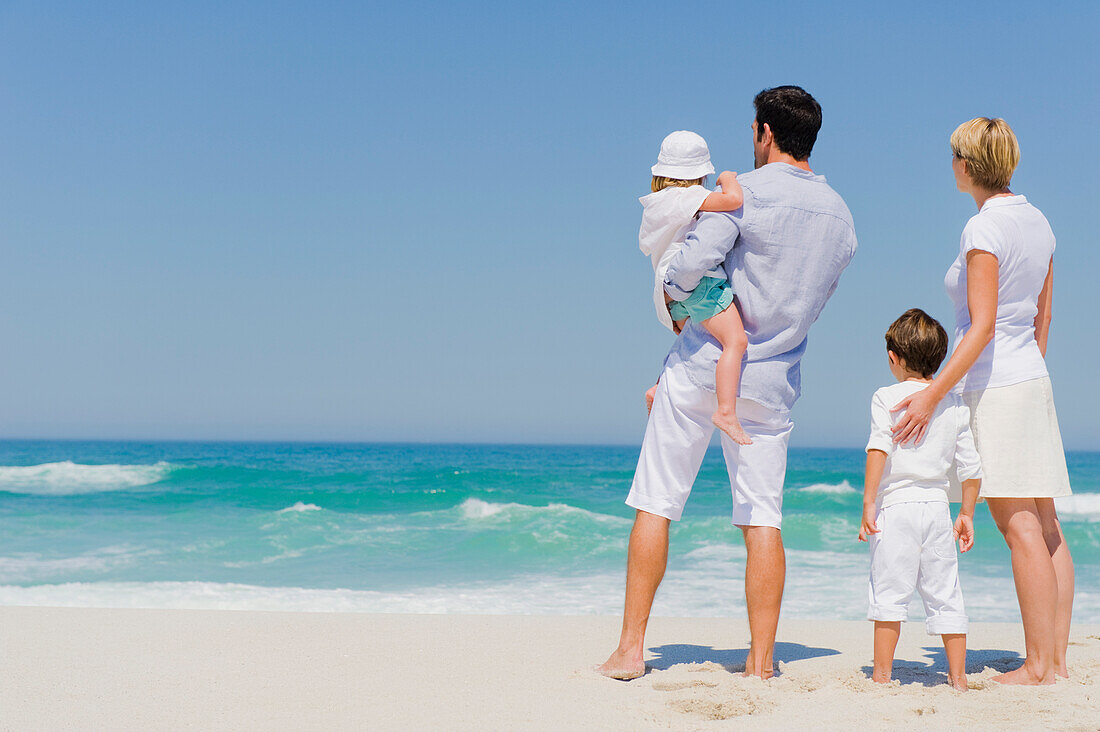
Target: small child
{"x": 683, "y": 165}
{"x": 906, "y": 513}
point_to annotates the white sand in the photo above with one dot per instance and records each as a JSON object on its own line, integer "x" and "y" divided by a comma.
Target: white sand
{"x": 156, "y": 669}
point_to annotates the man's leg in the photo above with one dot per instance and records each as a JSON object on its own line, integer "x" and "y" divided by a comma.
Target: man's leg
{"x": 765, "y": 573}
{"x": 645, "y": 566}
{"x": 676, "y": 439}
{"x": 756, "y": 473}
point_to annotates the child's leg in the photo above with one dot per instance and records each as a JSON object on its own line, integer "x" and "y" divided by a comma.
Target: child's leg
{"x": 726, "y": 326}
{"x": 955, "y": 646}
{"x": 886, "y": 641}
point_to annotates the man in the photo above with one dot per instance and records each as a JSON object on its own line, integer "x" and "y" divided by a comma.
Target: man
{"x": 783, "y": 253}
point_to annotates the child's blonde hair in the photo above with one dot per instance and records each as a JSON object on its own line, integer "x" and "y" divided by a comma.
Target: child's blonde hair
{"x": 990, "y": 150}
{"x": 661, "y": 182}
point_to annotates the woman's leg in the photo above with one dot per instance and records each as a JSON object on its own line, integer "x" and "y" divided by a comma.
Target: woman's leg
{"x": 1036, "y": 587}
{"x": 1063, "y": 570}
{"x": 726, "y": 326}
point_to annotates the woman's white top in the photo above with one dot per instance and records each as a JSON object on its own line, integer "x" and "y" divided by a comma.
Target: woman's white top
{"x": 667, "y": 216}
{"x": 1018, "y": 235}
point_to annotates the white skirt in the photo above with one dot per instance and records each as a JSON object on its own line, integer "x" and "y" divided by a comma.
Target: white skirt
{"x": 1016, "y": 432}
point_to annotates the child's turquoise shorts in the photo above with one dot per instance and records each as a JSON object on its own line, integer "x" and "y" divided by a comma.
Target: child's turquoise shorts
{"x": 711, "y": 297}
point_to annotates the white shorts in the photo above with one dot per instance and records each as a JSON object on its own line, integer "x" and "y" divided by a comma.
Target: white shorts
{"x": 915, "y": 550}
{"x": 676, "y": 438}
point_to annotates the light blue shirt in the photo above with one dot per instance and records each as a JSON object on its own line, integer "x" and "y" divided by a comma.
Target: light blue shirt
{"x": 783, "y": 253}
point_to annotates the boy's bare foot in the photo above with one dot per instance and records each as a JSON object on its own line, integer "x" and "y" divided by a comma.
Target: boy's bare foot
{"x": 958, "y": 684}
{"x": 618, "y": 666}
{"x": 1022, "y": 677}
{"x": 730, "y": 425}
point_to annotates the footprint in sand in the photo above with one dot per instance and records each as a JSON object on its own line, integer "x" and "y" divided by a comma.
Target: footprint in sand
{"x": 680, "y": 685}
{"x": 726, "y": 709}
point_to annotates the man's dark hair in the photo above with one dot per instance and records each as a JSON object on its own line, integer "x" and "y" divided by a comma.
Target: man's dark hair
{"x": 919, "y": 340}
{"x": 793, "y": 116}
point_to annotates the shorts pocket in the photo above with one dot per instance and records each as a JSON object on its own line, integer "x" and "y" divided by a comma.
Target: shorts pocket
{"x": 944, "y": 543}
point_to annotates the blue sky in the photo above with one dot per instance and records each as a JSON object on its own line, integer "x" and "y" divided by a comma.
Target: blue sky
{"x": 418, "y": 222}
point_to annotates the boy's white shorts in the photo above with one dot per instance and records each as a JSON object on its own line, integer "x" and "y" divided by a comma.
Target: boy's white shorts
{"x": 676, "y": 438}
{"x": 915, "y": 550}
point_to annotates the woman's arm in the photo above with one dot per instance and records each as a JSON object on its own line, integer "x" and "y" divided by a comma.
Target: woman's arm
{"x": 981, "y": 299}
{"x": 1042, "y": 318}
{"x": 731, "y": 198}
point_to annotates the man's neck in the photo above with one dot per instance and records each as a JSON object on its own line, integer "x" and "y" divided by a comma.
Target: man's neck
{"x": 775, "y": 156}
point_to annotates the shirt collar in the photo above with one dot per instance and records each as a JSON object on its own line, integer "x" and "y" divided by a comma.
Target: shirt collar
{"x": 1013, "y": 200}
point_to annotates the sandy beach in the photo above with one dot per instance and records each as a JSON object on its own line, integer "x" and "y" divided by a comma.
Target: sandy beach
{"x": 74, "y": 668}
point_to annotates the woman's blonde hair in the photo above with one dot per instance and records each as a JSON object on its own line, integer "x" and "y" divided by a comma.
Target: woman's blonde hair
{"x": 990, "y": 150}
{"x": 660, "y": 182}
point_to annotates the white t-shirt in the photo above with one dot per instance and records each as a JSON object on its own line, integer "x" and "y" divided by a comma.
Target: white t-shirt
{"x": 667, "y": 216}
{"x": 923, "y": 471}
{"x": 1019, "y": 236}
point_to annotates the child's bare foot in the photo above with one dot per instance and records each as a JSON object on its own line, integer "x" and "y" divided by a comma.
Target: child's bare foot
{"x": 730, "y": 425}
{"x": 958, "y": 684}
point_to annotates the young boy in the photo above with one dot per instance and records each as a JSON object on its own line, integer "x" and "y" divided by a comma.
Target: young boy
{"x": 906, "y": 514}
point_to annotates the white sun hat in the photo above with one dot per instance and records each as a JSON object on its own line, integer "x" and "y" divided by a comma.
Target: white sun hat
{"x": 684, "y": 155}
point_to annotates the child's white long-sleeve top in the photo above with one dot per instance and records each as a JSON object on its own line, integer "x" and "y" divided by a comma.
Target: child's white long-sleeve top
{"x": 922, "y": 471}
{"x": 667, "y": 216}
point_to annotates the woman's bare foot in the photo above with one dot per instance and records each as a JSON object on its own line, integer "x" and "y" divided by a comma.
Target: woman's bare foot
{"x": 958, "y": 684}
{"x": 730, "y": 425}
{"x": 1023, "y": 677}
{"x": 619, "y": 666}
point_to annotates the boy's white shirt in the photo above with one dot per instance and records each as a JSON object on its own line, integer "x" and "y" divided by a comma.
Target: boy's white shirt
{"x": 667, "y": 217}
{"x": 934, "y": 468}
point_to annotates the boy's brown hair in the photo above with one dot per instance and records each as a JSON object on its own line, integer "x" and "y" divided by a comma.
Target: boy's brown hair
{"x": 919, "y": 340}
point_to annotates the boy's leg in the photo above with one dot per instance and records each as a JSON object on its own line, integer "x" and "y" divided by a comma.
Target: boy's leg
{"x": 676, "y": 439}
{"x": 938, "y": 584}
{"x": 954, "y": 645}
{"x": 727, "y": 327}
{"x": 886, "y": 642}
{"x": 895, "y": 565}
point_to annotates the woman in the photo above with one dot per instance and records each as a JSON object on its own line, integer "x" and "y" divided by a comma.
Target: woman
{"x": 1002, "y": 285}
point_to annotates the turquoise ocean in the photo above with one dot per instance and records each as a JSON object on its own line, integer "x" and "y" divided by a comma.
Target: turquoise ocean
{"x": 440, "y": 529}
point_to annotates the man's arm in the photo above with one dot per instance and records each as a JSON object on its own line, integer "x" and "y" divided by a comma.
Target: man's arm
{"x": 705, "y": 247}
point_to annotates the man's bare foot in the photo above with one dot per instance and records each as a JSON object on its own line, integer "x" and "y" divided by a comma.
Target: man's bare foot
{"x": 620, "y": 666}
{"x": 1023, "y": 677}
{"x": 731, "y": 427}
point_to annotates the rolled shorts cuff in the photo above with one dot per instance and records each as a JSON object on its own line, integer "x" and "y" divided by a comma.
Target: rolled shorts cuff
{"x": 710, "y": 297}
{"x": 657, "y": 508}
{"x": 888, "y": 613}
{"x": 946, "y": 623}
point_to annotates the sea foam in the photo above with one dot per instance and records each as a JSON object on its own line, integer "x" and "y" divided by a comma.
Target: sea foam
{"x": 831, "y": 488}
{"x": 69, "y": 478}
{"x": 300, "y": 507}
